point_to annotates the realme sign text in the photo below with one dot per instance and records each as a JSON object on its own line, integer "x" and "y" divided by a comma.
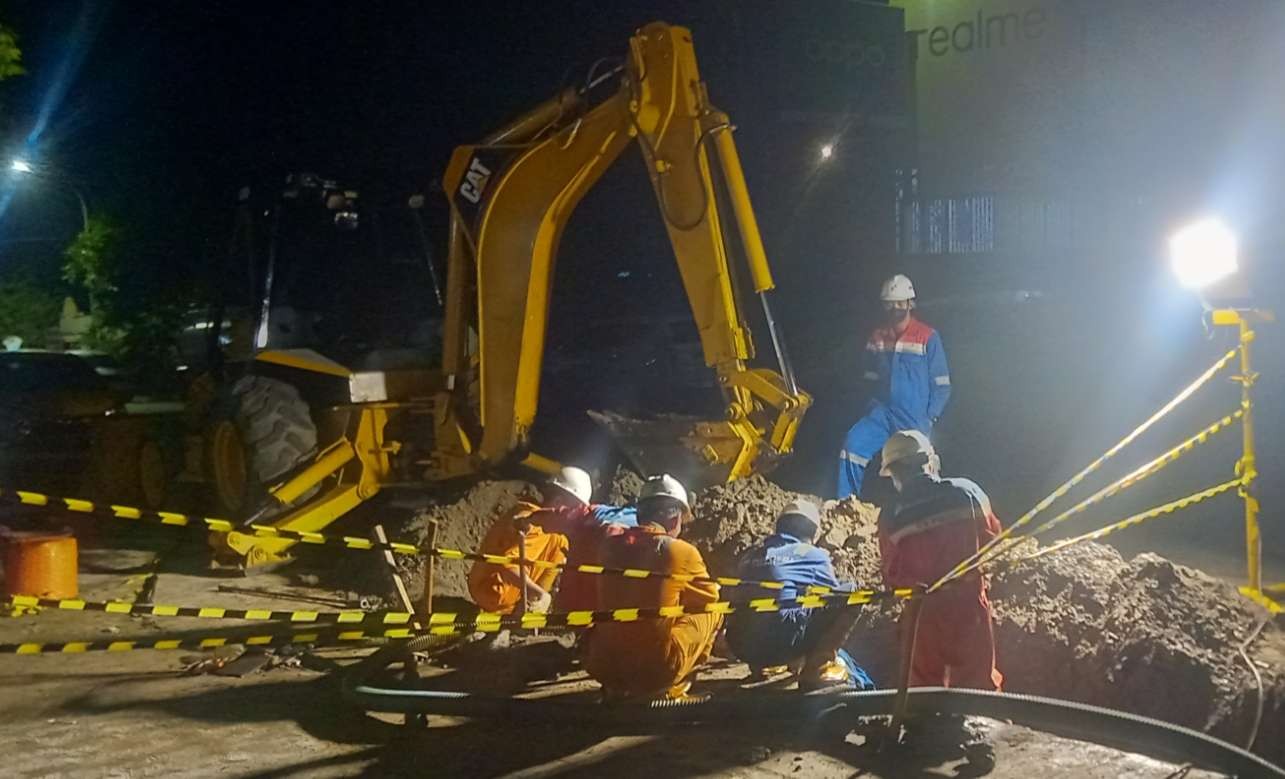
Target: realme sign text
{"x": 980, "y": 32}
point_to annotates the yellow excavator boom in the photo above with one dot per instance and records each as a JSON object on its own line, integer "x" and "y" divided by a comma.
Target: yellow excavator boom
{"x": 511, "y": 197}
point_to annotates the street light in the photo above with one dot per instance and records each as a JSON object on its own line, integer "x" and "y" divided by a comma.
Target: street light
{"x": 827, "y": 151}
{"x": 19, "y": 165}
{"x": 1203, "y": 254}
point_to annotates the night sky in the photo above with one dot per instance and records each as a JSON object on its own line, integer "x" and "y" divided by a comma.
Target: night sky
{"x": 163, "y": 110}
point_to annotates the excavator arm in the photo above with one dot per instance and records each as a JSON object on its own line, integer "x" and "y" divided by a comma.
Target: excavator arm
{"x": 511, "y": 197}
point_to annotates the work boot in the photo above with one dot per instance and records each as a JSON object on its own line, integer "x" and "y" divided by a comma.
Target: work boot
{"x": 830, "y": 674}
{"x": 678, "y": 691}
{"x": 770, "y": 673}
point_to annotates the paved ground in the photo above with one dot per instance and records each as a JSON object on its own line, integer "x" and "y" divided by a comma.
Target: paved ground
{"x": 133, "y": 714}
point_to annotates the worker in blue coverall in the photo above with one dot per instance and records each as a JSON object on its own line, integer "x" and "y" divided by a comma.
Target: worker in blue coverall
{"x": 794, "y": 638}
{"x": 905, "y": 364}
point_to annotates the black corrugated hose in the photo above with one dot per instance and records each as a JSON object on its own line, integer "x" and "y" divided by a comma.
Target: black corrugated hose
{"x": 1111, "y": 728}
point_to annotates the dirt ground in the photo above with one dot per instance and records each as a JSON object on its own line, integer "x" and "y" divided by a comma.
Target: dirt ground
{"x": 1142, "y": 635}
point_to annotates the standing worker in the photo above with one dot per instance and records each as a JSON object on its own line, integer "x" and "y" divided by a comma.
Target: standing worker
{"x": 807, "y": 640}
{"x": 937, "y": 524}
{"x": 653, "y": 658}
{"x": 905, "y": 365}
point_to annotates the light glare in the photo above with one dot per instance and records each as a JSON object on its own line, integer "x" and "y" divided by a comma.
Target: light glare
{"x": 20, "y": 166}
{"x": 827, "y": 151}
{"x": 1203, "y": 253}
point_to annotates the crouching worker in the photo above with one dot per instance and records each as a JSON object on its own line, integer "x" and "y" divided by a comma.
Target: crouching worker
{"x": 937, "y": 524}
{"x": 795, "y": 637}
{"x": 586, "y": 526}
{"x": 653, "y": 657}
{"x": 518, "y": 533}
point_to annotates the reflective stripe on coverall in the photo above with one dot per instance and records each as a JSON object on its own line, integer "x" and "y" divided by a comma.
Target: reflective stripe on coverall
{"x": 911, "y": 385}
{"x": 938, "y": 523}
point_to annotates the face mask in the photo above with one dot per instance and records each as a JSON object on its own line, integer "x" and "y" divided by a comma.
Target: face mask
{"x": 897, "y": 316}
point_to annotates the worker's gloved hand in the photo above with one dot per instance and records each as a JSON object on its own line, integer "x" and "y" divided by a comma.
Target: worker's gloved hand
{"x": 540, "y": 603}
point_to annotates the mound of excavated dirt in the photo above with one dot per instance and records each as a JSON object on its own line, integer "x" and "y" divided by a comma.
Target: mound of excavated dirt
{"x": 1142, "y": 635}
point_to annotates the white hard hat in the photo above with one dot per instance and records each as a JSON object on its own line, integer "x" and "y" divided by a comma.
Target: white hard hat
{"x": 664, "y": 486}
{"x": 897, "y": 289}
{"x": 902, "y": 445}
{"x": 574, "y": 481}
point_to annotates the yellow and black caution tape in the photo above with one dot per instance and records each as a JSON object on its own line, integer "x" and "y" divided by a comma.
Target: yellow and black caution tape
{"x": 446, "y": 622}
{"x": 317, "y": 638}
{"x": 213, "y": 612}
{"x": 970, "y": 562}
{"x": 1139, "y": 518}
{"x": 1137, "y": 476}
{"x": 178, "y": 519}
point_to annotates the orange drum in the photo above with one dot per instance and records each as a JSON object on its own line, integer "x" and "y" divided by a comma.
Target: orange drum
{"x": 41, "y": 564}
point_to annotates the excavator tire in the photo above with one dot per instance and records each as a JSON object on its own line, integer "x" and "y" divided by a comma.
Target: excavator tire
{"x": 262, "y": 429}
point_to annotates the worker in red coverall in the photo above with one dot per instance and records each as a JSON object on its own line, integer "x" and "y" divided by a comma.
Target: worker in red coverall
{"x": 938, "y": 523}
{"x": 586, "y": 525}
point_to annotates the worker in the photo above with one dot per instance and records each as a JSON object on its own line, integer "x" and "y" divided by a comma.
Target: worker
{"x": 774, "y": 643}
{"x": 905, "y": 366}
{"x": 654, "y": 658}
{"x": 586, "y": 525}
{"x": 938, "y": 523}
{"x": 518, "y": 533}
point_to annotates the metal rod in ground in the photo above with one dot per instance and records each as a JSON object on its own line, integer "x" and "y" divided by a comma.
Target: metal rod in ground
{"x": 1248, "y": 466}
{"x": 910, "y": 617}
{"x": 430, "y": 542}
{"x": 522, "y": 575}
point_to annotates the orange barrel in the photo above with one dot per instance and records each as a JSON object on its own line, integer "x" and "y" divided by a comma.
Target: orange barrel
{"x": 42, "y": 564}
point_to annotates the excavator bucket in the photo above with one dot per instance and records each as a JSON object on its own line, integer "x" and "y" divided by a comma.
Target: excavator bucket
{"x": 698, "y": 452}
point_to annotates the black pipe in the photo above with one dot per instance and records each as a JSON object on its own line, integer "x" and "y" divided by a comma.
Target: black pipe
{"x": 1128, "y": 732}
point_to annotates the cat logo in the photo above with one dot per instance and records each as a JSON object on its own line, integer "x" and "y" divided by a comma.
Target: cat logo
{"x": 474, "y": 181}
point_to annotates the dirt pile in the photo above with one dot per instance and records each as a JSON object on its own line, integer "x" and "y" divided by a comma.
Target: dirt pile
{"x": 1142, "y": 635}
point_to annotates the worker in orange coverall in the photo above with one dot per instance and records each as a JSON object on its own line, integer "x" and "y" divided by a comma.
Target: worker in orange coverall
{"x": 518, "y": 533}
{"x": 653, "y": 658}
{"x": 937, "y": 524}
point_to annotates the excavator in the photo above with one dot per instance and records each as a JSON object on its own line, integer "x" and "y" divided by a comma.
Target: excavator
{"x": 510, "y": 197}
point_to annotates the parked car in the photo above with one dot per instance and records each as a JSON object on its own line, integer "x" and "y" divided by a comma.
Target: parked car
{"x": 64, "y": 429}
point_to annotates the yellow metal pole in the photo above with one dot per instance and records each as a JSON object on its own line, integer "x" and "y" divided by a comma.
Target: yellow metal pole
{"x": 1248, "y": 466}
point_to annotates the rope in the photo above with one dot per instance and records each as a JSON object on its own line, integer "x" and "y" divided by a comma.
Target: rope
{"x": 1137, "y": 476}
{"x": 1137, "y": 519}
{"x": 1258, "y": 681}
{"x": 1026, "y": 518}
